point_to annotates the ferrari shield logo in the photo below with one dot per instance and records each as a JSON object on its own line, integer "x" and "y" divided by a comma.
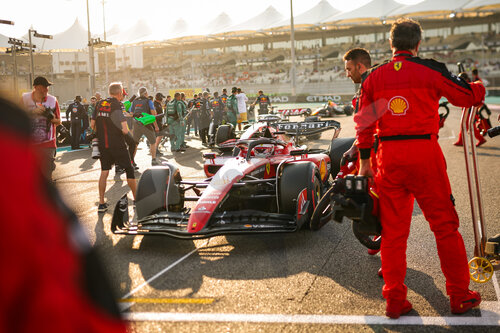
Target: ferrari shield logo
{"x": 397, "y": 65}
{"x": 268, "y": 168}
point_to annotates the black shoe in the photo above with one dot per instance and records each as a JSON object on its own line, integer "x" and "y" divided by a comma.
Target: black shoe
{"x": 181, "y": 149}
{"x": 102, "y": 207}
{"x": 119, "y": 170}
{"x": 158, "y": 153}
{"x": 155, "y": 162}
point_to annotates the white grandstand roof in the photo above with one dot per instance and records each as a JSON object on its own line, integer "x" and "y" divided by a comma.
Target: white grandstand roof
{"x": 137, "y": 33}
{"x": 313, "y": 16}
{"x": 221, "y": 22}
{"x": 431, "y": 7}
{"x": 75, "y": 37}
{"x": 262, "y": 21}
{"x": 376, "y": 9}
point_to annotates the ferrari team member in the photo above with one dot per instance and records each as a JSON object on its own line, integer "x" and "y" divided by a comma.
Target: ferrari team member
{"x": 263, "y": 101}
{"x": 356, "y": 61}
{"x": 111, "y": 127}
{"x": 140, "y": 105}
{"x": 76, "y": 113}
{"x": 175, "y": 121}
{"x": 54, "y": 281}
{"x": 46, "y": 116}
{"x": 399, "y": 100}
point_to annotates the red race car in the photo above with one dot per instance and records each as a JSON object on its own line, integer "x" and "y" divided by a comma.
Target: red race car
{"x": 265, "y": 185}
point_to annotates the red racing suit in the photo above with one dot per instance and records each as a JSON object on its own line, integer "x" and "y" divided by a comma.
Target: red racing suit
{"x": 399, "y": 100}
{"x": 51, "y": 281}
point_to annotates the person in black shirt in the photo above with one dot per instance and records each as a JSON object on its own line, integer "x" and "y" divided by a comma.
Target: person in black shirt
{"x": 205, "y": 117}
{"x": 158, "y": 104}
{"x": 111, "y": 127}
{"x": 76, "y": 114}
{"x": 263, "y": 101}
{"x": 218, "y": 114}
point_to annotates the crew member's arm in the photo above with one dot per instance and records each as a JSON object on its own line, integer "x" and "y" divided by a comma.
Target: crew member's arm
{"x": 365, "y": 123}
{"x": 458, "y": 92}
{"x": 153, "y": 112}
{"x": 124, "y": 127}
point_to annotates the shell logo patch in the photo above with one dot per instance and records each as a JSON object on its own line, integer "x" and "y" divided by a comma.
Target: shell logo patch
{"x": 398, "y": 65}
{"x": 398, "y": 105}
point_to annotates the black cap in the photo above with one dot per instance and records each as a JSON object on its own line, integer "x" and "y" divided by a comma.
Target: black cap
{"x": 159, "y": 96}
{"x": 78, "y": 98}
{"x": 41, "y": 81}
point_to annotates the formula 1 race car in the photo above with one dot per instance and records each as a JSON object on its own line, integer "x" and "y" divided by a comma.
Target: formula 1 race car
{"x": 269, "y": 185}
{"x": 331, "y": 109}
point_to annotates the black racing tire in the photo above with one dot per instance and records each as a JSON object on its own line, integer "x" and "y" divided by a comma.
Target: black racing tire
{"x": 152, "y": 191}
{"x": 370, "y": 242}
{"x": 224, "y": 133}
{"x": 348, "y": 110}
{"x": 338, "y": 146}
{"x": 312, "y": 118}
{"x": 293, "y": 179}
{"x": 323, "y": 212}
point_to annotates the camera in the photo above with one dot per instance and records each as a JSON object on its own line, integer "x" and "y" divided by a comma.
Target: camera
{"x": 95, "y": 149}
{"x": 492, "y": 132}
{"x": 49, "y": 113}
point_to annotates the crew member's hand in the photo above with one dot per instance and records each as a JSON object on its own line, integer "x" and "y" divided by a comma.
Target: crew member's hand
{"x": 351, "y": 153}
{"x": 39, "y": 109}
{"x": 365, "y": 168}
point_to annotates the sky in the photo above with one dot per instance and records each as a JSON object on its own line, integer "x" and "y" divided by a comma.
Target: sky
{"x": 54, "y": 16}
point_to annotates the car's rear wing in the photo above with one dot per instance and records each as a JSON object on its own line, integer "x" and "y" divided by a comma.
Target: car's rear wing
{"x": 307, "y": 127}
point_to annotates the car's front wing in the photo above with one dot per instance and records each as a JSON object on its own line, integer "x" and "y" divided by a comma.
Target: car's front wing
{"x": 174, "y": 224}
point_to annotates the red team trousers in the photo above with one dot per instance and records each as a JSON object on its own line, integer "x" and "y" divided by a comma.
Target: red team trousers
{"x": 401, "y": 179}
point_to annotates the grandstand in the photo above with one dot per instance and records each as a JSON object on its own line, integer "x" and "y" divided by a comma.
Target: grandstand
{"x": 256, "y": 54}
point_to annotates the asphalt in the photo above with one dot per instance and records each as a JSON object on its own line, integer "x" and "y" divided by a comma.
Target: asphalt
{"x": 300, "y": 282}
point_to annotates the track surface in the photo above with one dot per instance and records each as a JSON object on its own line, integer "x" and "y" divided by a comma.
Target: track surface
{"x": 302, "y": 282}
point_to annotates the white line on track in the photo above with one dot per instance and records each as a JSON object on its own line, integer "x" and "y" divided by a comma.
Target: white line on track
{"x": 314, "y": 319}
{"x": 157, "y": 275}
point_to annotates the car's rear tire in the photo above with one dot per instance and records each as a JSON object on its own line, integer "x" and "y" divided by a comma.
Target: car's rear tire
{"x": 348, "y": 110}
{"x": 294, "y": 178}
{"x": 338, "y": 146}
{"x": 154, "y": 193}
{"x": 224, "y": 133}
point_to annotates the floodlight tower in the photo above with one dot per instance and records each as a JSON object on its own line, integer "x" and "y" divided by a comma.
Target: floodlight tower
{"x": 91, "y": 55}
{"x": 292, "y": 47}
{"x": 31, "y": 47}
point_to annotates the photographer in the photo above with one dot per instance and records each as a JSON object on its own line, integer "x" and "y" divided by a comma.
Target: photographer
{"x": 76, "y": 114}
{"x": 140, "y": 105}
{"x": 46, "y": 116}
{"x": 111, "y": 128}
